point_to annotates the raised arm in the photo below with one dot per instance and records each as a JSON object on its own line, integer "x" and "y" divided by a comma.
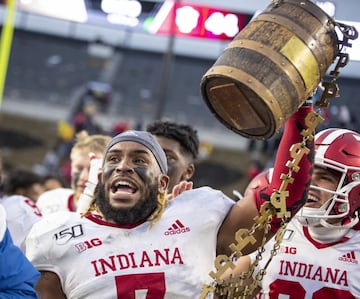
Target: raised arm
{"x": 244, "y": 211}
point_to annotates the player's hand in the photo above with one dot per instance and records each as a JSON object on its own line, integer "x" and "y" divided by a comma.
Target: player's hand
{"x": 95, "y": 165}
{"x": 180, "y": 188}
{"x": 86, "y": 197}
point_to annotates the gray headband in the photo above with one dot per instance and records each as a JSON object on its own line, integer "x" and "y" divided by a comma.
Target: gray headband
{"x": 144, "y": 138}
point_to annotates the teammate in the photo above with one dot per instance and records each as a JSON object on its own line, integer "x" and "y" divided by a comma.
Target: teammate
{"x": 141, "y": 244}
{"x": 181, "y": 146}
{"x": 24, "y": 182}
{"x": 21, "y": 213}
{"x": 180, "y": 143}
{"x": 319, "y": 255}
{"x": 65, "y": 199}
{"x": 17, "y": 276}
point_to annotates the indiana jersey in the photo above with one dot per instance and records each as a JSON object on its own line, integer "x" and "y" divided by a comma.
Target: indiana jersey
{"x": 304, "y": 268}
{"x": 60, "y": 199}
{"x": 97, "y": 259}
{"x": 21, "y": 214}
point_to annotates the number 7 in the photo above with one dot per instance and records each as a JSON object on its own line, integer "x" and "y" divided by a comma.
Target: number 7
{"x": 154, "y": 283}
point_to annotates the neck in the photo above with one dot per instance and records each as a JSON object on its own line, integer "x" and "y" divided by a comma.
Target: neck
{"x": 323, "y": 234}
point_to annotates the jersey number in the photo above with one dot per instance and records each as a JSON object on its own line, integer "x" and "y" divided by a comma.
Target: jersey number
{"x": 295, "y": 291}
{"x": 153, "y": 284}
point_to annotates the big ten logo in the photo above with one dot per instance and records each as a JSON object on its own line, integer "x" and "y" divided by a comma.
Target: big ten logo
{"x": 69, "y": 233}
{"x": 88, "y": 244}
{"x": 287, "y": 250}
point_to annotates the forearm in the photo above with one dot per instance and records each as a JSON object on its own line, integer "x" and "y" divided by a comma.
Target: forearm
{"x": 298, "y": 187}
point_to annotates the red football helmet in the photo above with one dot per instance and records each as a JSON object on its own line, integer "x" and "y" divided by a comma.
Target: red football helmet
{"x": 338, "y": 150}
{"x": 261, "y": 180}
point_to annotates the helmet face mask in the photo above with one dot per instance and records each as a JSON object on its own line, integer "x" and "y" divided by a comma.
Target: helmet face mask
{"x": 337, "y": 150}
{"x": 334, "y": 210}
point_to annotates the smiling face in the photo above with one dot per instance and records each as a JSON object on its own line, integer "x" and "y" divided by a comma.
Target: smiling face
{"x": 129, "y": 183}
{"x": 323, "y": 178}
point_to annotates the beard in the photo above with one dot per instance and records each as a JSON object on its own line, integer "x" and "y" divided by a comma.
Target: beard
{"x": 127, "y": 216}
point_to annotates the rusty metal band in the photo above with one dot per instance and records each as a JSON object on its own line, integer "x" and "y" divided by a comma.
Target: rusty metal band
{"x": 311, "y": 8}
{"x": 298, "y": 31}
{"x": 254, "y": 84}
{"x": 284, "y": 64}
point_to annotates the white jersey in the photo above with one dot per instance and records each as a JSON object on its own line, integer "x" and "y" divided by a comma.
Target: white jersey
{"x": 304, "y": 268}
{"x": 21, "y": 214}
{"x": 97, "y": 259}
{"x": 59, "y": 199}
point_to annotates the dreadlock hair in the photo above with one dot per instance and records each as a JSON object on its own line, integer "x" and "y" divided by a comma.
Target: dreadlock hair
{"x": 161, "y": 204}
{"x": 184, "y": 134}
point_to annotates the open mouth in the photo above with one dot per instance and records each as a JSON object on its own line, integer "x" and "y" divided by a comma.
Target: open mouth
{"x": 123, "y": 186}
{"x": 312, "y": 199}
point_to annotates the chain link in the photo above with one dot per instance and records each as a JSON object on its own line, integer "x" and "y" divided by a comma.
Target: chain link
{"x": 237, "y": 287}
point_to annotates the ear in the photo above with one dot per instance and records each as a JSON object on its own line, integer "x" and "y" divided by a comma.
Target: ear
{"x": 99, "y": 174}
{"x": 163, "y": 183}
{"x": 190, "y": 170}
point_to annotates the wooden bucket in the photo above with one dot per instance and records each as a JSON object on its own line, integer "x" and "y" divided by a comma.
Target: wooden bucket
{"x": 271, "y": 67}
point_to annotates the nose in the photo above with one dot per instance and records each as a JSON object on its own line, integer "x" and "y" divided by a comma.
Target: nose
{"x": 84, "y": 174}
{"x": 314, "y": 180}
{"x": 124, "y": 166}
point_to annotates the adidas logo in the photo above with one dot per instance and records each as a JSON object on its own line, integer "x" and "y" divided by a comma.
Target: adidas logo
{"x": 349, "y": 257}
{"x": 177, "y": 228}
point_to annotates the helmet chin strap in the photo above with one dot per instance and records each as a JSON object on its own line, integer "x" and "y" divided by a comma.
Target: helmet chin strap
{"x": 351, "y": 223}
{"x": 311, "y": 216}
{"x": 326, "y": 232}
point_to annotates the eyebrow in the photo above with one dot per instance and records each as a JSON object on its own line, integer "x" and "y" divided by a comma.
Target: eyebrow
{"x": 137, "y": 151}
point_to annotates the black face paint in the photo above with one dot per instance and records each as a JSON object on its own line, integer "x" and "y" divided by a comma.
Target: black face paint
{"x": 138, "y": 213}
{"x": 108, "y": 170}
{"x": 142, "y": 173}
{"x": 172, "y": 169}
{"x": 74, "y": 179}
